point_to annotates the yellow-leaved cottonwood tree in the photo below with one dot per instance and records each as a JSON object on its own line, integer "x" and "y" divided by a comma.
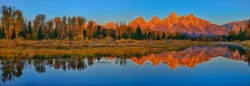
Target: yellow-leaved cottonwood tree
{"x": 8, "y": 21}
{"x": 90, "y": 29}
{"x": 80, "y": 22}
{"x": 18, "y": 22}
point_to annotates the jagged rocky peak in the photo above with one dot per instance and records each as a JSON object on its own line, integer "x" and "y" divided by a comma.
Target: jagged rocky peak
{"x": 171, "y": 19}
{"x": 155, "y": 20}
{"x": 140, "y": 19}
{"x": 173, "y": 16}
{"x": 184, "y": 16}
{"x": 191, "y": 16}
{"x": 110, "y": 25}
{"x": 111, "y": 22}
{"x": 189, "y": 24}
{"x": 237, "y": 25}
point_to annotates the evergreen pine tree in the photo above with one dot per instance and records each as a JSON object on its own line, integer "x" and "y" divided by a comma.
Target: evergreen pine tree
{"x": 145, "y": 35}
{"x": 125, "y": 35}
{"x": 84, "y": 33}
{"x": 158, "y": 37}
{"x": 241, "y": 35}
{"x": 98, "y": 32}
{"x": 29, "y": 28}
{"x": 163, "y": 35}
{"x": 70, "y": 36}
{"x": 13, "y": 36}
{"x": 54, "y": 34}
{"x": 40, "y": 33}
{"x": 149, "y": 35}
{"x": 2, "y": 34}
{"x": 138, "y": 33}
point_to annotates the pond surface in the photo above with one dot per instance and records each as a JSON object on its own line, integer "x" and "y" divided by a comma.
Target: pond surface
{"x": 204, "y": 65}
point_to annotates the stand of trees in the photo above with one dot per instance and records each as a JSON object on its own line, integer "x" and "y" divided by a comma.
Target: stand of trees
{"x": 14, "y": 26}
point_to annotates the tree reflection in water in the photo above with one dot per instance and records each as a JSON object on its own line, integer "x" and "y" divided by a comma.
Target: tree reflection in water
{"x": 90, "y": 61}
{"x": 121, "y": 61}
{"x": 64, "y": 67}
{"x": 39, "y": 65}
{"x": 11, "y": 68}
{"x": 80, "y": 64}
{"x": 57, "y": 64}
{"x": 248, "y": 58}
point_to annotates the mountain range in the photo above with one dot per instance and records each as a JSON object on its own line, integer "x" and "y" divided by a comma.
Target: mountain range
{"x": 187, "y": 24}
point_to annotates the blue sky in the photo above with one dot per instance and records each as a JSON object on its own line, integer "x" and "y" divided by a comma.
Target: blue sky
{"x": 103, "y": 11}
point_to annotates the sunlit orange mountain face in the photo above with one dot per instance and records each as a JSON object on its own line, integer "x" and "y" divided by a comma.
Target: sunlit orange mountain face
{"x": 236, "y": 26}
{"x": 110, "y": 25}
{"x": 189, "y": 24}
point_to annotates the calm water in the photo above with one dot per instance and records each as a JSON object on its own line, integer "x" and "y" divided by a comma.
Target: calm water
{"x": 207, "y": 65}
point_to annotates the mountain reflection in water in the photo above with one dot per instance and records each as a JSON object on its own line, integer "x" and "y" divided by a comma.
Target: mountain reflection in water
{"x": 12, "y": 68}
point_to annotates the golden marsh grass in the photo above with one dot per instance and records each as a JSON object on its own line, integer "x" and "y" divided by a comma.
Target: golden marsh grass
{"x": 89, "y": 48}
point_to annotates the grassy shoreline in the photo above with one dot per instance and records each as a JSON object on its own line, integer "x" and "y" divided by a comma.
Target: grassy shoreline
{"x": 243, "y": 43}
{"x": 89, "y": 48}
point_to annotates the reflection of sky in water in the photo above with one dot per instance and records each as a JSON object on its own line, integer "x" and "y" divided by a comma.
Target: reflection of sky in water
{"x": 217, "y": 71}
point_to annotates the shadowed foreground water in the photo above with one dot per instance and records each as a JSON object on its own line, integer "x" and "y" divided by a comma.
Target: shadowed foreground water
{"x": 206, "y": 65}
